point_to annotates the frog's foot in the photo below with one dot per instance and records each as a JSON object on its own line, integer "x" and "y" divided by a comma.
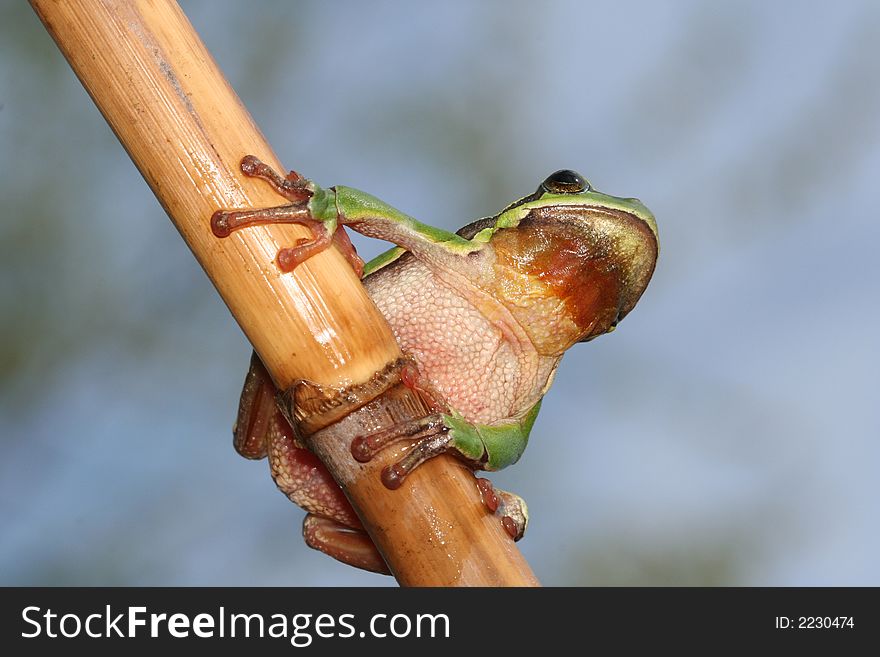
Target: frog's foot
{"x": 434, "y": 436}
{"x": 431, "y": 436}
{"x": 296, "y": 189}
{"x": 346, "y": 544}
{"x": 509, "y": 507}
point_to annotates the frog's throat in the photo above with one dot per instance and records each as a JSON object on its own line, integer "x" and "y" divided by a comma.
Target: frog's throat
{"x": 503, "y": 320}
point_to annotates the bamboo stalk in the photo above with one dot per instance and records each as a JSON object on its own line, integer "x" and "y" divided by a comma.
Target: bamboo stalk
{"x": 186, "y": 131}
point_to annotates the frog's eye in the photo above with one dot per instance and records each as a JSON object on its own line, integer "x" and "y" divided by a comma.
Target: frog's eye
{"x": 566, "y": 181}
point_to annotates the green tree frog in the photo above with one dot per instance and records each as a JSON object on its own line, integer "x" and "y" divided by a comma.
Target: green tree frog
{"x": 485, "y": 314}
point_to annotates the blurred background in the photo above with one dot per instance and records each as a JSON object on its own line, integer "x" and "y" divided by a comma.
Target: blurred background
{"x": 725, "y": 434}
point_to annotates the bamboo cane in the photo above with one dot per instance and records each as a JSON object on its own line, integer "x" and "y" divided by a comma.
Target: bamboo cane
{"x": 185, "y": 129}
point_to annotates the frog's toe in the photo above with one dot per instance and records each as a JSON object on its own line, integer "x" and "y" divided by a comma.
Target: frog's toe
{"x": 514, "y": 513}
{"x": 487, "y": 494}
{"x": 509, "y": 507}
{"x": 350, "y": 546}
{"x": 293, "y": 186}
{"x": 290, "y": 258}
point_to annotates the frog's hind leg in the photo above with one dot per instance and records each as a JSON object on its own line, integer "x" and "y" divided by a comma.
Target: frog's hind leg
{"x": 331, "y": 526}
{"x": 346, "y": 544}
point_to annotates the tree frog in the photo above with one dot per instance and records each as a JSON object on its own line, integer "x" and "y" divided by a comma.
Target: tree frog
{"x": 485, "y": 314}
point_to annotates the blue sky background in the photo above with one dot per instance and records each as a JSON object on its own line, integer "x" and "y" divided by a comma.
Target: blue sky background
{"x": 726, "y": 433}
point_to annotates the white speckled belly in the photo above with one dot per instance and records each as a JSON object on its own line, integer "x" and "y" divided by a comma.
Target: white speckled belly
{"x": 460, "y": 351}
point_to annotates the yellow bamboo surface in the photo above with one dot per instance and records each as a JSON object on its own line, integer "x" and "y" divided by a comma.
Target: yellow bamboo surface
{"x": 186, "y": 131}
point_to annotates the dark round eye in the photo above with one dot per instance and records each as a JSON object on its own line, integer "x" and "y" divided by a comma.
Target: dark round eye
{"x": 566, "y": 181}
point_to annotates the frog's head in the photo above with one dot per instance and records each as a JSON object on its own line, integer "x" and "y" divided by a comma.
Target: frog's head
{"x": 576, "y": 260}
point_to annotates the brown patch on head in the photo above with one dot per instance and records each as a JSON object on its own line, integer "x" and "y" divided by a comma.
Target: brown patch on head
{"x": 595, "y": 262}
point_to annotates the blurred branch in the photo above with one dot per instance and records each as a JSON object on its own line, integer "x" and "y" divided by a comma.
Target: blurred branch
{"x": 186, "y": 131}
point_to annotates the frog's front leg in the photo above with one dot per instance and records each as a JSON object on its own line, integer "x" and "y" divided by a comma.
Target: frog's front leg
{"x": 321, "y": 210}
{"x": 331, "y": 525}
{"x": 299, "y": 192}
{"x": 484, "y": 447}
